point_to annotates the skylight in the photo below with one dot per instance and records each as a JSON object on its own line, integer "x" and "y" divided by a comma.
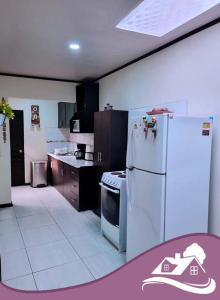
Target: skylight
{"x": 158, "y": 17}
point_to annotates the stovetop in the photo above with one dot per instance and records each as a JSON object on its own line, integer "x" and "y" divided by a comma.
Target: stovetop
{"x": 120, "y": 174}
{"x": 115, "y": 178}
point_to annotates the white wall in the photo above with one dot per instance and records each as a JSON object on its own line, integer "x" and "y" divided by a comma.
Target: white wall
{"x": 190, "y": 71}
{"x": 36, "y": 89}
{"x": 35, "y": 139}
{"x": 22, "y": 93}
{"x": 5, "y": 168}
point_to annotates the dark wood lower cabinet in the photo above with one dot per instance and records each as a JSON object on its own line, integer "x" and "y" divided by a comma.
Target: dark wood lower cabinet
{"x": 77, "y": 185}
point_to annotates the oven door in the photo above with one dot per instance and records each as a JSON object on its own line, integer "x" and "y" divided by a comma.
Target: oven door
{"x": 110, "y": 207}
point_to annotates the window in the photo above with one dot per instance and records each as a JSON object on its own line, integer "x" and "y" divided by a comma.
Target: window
{"x": 194, "y": 270}
{"x": 166, "y": 268}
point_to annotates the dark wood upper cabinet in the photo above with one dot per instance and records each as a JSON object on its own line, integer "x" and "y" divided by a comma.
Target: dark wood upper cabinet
{"x": 110, "y": 139}
{"x": 87, "y": 97}
{"x": 87, "y": 102}
{"x": 65, "y": 112}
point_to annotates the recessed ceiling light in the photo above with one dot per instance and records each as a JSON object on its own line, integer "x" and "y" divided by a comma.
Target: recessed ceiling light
{"x": 74, "y": 46}
{"x": 158, "y": 17}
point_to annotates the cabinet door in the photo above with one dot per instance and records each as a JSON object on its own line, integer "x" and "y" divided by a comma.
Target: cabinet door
{"x": 73, "y": 187}
{"x": 101, "y": 139}
{"x": 55, "y": 172}
{"x": 70, "y": 110}
{"x": 66, "y": 181}
{"x": 80, "y": 96}
{"x": 57, "y": 175}
{"x": 71, "y": 182}
{"x": 61, "y": 115}
{"x": 60, "y": 185}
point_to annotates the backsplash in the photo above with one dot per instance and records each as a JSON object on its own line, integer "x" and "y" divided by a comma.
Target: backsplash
{"x": 83, "y": 138}
{"x": 52, "y": 145}
{"x": 60, "y": 138}
{"x": 56, "y": 134}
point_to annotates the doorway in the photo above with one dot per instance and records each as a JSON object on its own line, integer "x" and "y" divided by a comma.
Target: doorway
{"x": 17, "y": 148}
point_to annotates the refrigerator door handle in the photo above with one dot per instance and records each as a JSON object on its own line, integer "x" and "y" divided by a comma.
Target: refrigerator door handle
{"x": 107, "y": 188}
{"x": 130, "y": 168}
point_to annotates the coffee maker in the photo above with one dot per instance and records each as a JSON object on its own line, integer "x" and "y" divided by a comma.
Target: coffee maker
{"x": 80, "y": 152}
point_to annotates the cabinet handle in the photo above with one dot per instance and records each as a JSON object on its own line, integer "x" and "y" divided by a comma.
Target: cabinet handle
{"x": 51, "y": 165}
{"x": 100, "y": 156}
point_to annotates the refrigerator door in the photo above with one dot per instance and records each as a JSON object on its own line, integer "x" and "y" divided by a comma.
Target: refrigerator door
{"x": 188, "y": 176}
{"x": 145, "y": 217}
{"x": 146, "y": 151}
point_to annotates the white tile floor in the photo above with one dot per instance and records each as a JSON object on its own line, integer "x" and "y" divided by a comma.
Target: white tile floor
{"x": 46, "y": 244}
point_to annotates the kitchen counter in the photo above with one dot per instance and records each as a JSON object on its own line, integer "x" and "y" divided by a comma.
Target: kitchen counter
{"x": 72, "y": 161}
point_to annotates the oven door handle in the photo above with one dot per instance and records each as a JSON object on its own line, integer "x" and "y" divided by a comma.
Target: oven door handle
{"x": 107, "y": 188}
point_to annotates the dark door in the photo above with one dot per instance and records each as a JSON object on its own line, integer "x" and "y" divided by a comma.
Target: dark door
{"x": 17, "y": 148}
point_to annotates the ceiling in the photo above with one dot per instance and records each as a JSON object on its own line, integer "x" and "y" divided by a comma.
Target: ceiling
{"x": 35, "y": 34}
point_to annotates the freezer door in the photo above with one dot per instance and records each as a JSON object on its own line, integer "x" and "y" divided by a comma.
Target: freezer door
{"x": 145, "y": 151}
{"x": 145, "y": 215}
{"x": 188, "y": 176}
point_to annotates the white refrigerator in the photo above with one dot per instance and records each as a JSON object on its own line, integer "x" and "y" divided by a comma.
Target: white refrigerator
{"x": 168, "y": 174}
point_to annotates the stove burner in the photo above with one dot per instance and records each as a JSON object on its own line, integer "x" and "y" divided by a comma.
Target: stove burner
{"x": 116, "y": 173}
{"x": 122, "y": 176}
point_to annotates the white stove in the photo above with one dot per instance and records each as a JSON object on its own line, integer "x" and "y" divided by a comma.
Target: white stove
{"x": 115, "y": 179}
{"x": 114, "y": 208}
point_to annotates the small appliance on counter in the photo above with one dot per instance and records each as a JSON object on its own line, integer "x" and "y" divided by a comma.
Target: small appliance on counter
{"x": 108, "y": 107}
{"x": 60, "y": 151}
{"x": 80, "y": 153}
{"x": 114, "y": 208}
{"x": 89, "y": 156}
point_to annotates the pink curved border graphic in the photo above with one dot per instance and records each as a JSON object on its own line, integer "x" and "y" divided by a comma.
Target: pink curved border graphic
{"x": 126, "y": 282}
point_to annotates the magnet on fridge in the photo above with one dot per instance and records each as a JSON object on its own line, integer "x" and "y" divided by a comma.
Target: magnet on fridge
{"x": 145, "y": 126}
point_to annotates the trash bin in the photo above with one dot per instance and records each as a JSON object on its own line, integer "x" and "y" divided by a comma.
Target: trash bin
{"x": 39, "y": 173}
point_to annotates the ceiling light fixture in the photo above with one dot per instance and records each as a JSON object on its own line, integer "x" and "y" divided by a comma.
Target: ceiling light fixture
{"x": 74, "y": 46}
{"x": 158, "y": 17}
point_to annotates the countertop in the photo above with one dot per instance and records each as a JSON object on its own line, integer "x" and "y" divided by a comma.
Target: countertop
{"x": 72, "y": 161}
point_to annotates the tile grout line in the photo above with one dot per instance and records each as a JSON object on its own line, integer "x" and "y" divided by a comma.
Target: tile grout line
{"x": 82, "y": 259}
{"x": 65, "y": 237}
{"x": 71, "y": 244}
{"x": 27, "y": 254}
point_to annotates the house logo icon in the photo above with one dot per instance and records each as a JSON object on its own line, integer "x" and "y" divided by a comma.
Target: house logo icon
{"x": 185, "y": 272}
